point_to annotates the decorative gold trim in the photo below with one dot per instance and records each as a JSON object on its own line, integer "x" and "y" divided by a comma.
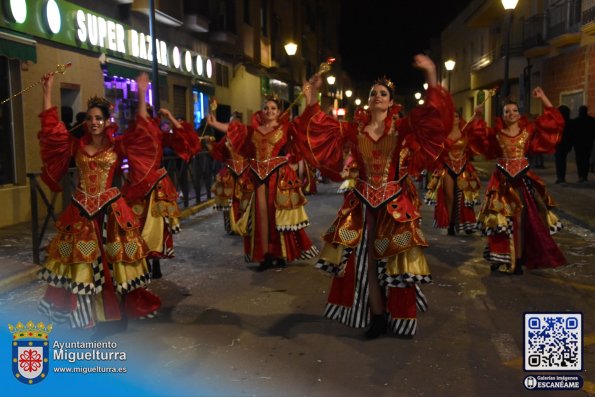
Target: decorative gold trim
{"x": 565, "y": 39}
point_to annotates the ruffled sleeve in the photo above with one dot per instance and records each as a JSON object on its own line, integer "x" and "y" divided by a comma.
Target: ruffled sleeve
{"x": 219, "y": 151}
{"x": 142, "y": 148}
{"x": 482, "y": 139}
{"x": 239, "y": 137}
{"x": 320, "y": 139}
{"x": 184, "y": 141}
{"x": 430, "y": 122}
{"x": 548, "y": 131}
{"x": 57, "y": 147}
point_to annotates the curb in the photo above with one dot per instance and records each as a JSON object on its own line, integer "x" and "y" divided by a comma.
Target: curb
{"x": 30, "y": 274}
{"x": 21, "y": 278}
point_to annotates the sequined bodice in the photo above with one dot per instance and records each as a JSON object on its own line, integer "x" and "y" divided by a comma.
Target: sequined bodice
{"x": 268, "y": 145}
{"x": 96, "y": 172}
{"x": 457, "y": 151}
{"x": 377, "y": 157}
{"x": 513, "y": 146}
{"x": 234, "y": 155}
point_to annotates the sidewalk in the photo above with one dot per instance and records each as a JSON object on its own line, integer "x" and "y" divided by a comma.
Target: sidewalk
{"x": 16, "y": 252}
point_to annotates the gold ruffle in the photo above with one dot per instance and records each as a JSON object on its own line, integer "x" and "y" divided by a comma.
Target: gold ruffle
{"x": 126, "y": 272}
{"x": 411, "y": 261}
{"x": 290, "y": 217}
{"x": 332, "y": 254}
{"x": 153, "y": 230}
{"x": 77, "y": 272}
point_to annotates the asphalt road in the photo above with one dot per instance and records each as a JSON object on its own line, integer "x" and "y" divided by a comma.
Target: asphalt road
{"x": 225, "y": 330}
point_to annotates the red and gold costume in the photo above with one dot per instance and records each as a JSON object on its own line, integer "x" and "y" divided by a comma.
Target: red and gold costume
{"x": 517, "y": 206}
{"x": 270, "y": 156}
{"x": 380, "y": 215}
{"x": 456, "y": 164}
{"x": 233, "y": 186}
{"x": 98, "y": 254}
{"x": 153, "y": 199}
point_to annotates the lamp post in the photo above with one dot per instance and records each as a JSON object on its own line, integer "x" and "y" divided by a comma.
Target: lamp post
{"x": 291, "y": 50}
{"x": 509, "y": 6}
{"x": 449, "y": 65}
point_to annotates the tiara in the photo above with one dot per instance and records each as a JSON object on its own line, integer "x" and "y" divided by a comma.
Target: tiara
{"x": 272, "y": 97}
{"x": 385, "y": 81}
{"x": 98, "y": 101}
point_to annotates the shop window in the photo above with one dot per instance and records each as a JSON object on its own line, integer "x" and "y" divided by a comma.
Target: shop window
{"x": 7, "y": 161}
{"x": 179, "y": 109}
{"x": 123, "y": 94}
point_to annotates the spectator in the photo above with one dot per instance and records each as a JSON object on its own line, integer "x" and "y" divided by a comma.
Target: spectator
{"x": 584, "y": 129}
{"x": 564, "y": 146}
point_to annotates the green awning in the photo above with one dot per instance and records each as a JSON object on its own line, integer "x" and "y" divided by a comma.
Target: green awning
{"x": 16, "y": 45}
{"x": 131, "y": 72}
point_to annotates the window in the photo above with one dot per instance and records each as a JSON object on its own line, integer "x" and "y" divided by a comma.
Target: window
{"x": 7, "y": 161}
{"x": 179, "y": 109}
{"x": 221, "y": 74}
{"x": 247, "y": 19}
{"x": 264, "y": 18}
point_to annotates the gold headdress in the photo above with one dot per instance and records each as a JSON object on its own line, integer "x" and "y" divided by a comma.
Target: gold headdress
{"x": 386, "y": 82}
{"x": 272, "y": 97}
{"x": 98, "y": 101}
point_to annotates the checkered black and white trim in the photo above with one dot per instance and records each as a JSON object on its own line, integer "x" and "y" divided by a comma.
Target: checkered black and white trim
{"x": 293, "y": 228}
{"x": 332, "y": 269}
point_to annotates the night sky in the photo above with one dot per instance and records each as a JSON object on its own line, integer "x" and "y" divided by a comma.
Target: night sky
{"x": 380, "y": 38}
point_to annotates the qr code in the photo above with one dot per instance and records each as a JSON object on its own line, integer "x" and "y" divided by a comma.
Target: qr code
{"x": 553, "y": 342}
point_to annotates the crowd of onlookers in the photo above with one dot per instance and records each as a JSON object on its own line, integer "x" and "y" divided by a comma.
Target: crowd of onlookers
{"x": 579, "y": 134}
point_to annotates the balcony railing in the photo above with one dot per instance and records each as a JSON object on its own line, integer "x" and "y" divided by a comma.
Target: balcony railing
{"x": 193, "y": 182}
{"x": 563, "y": 17}
{"x": 534, "y": 31}
{"x": 588, "y": 14}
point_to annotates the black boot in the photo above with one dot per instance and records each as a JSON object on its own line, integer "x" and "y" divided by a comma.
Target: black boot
{"x": 518, "y": 268}
{"x": 266, "y": 264}
{"x": 281, "y": 263}
{"x": 377, "y": 326}
{"x": 451, "y": 230}
{"x": 156, "y": 269}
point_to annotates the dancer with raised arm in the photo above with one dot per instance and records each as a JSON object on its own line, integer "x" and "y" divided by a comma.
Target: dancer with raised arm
{"x": 516, "y": 214}
{"x": 374, "y": 249}
{"x": 95, "y": 269}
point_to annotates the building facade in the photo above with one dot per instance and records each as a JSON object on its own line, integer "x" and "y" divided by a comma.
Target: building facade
{"x": 229, "y": 49}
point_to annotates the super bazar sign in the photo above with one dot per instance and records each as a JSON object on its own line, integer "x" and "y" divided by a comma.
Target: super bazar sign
{"x": 72, "y": 25}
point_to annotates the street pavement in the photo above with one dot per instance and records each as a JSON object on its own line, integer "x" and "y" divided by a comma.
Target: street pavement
{"x": 225, "y": 330}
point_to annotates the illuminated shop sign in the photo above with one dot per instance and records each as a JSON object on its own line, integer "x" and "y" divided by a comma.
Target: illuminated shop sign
{"x": 72, "y": 25}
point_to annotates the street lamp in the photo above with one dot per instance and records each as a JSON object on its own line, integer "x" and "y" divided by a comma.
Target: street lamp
{"x": 291, "y": 48}
{"x": 449, "y": 65}
{"x": 348, "y": 93}
{"x": 331, "y": 79}
{"x": 358, "y": 102}
{"x": 417, "y": 95}
{"x": 509, "y": 6}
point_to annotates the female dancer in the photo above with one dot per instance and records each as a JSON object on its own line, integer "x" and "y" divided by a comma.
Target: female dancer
{"x": 516, "y": 214}
{"x": 374, "y": 248}
{"x": 96, "y": 267}
{"x": 276, "y": 217}
{"x": 153, "y": 199}
{"x": 233, "y": 187}
{"x": 454, "y": 187}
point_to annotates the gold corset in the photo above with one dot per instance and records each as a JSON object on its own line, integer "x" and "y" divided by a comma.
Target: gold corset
{"x": 457, "y": 151}
{"x": 513, "y": 147}
{"x": 377, "y": 157}
{"x": 265, "y": 143}
{"x": 95, "y": 174}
